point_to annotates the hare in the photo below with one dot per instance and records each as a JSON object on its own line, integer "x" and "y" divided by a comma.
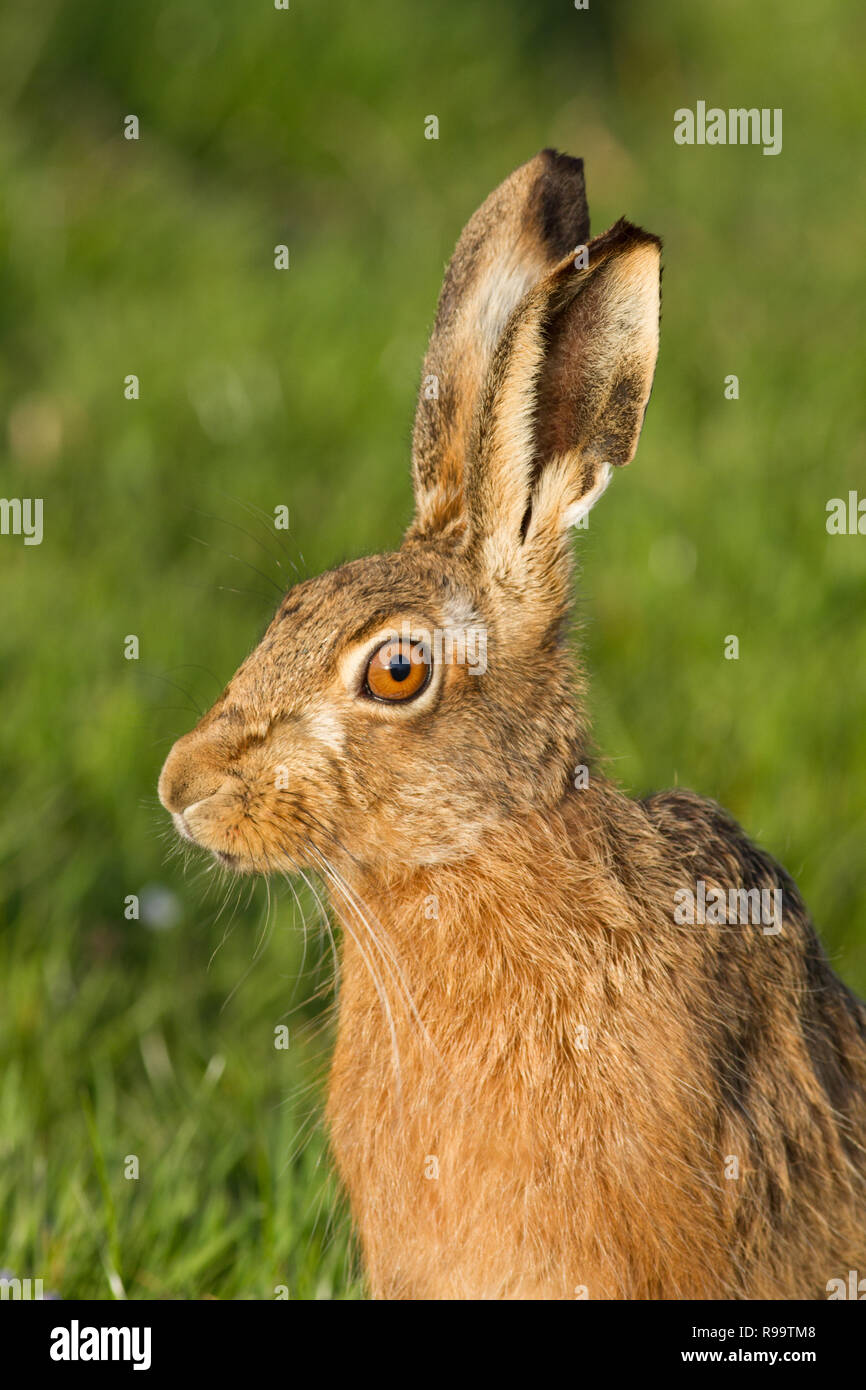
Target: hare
{"x": 547, "y": 1081}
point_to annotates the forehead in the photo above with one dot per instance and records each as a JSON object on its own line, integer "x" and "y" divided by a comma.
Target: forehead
{"x": 319, "y": 617}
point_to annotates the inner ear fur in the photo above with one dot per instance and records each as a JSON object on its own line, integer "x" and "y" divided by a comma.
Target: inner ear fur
{"x": 566, "y": 393}
{"x": 601, "y": 342}
{"x": 520, "y": 233}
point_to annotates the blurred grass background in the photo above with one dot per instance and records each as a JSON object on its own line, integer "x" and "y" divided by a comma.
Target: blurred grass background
{"x": 155, "y": 1037}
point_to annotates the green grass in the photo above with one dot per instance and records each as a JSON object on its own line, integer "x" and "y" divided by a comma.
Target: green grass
{"x": 258, "y": 388}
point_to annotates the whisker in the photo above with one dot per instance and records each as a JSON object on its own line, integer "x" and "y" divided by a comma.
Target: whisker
{"x": 241, "y": 561}
{"x": 377, "y": 982}
{"x": 257, "y": 540}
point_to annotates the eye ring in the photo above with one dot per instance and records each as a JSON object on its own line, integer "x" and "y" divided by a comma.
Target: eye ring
{"x": 398, "y": 671}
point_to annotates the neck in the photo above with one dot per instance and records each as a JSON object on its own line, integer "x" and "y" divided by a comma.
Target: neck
{"x": 541, "y": 905}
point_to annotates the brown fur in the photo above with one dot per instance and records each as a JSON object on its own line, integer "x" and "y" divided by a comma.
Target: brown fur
{"x": 539, "y": 1076}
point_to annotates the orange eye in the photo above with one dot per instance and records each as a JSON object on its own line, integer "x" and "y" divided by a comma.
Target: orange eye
{"x": 398, "y": 670}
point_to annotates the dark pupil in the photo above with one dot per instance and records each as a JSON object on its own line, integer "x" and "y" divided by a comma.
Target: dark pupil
{"x": 399, "y": 667}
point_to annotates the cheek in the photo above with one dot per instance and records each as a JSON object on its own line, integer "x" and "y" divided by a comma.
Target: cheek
{"x": 390, "y": 776}
{"x": 325, "y": 725}
{"x": 291, "y": 772}
{"x": 367, "y": 768}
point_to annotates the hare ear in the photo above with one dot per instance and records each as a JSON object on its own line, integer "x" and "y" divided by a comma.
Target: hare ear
{"x": 524, "y": 228}
{"x": 563, "y": 403}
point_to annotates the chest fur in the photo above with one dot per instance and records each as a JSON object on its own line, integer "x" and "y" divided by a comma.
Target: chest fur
{"x": 505, "y": 1133}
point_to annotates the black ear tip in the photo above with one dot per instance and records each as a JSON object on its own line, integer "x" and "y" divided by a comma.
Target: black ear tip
{"x": 563, "y": 215}
{"x": 566, "y": 168}
{"x": 561, "y": 163}
{"x": 624, "y": 232}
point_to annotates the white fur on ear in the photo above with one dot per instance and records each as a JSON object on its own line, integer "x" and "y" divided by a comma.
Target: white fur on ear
{"x": 578, "y": 510}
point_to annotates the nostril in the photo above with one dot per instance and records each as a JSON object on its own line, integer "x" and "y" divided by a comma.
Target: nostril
{"x": 173, "y": 790}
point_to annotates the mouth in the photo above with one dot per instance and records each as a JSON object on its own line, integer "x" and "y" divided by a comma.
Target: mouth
{"x": 229, "y": 861}
{"x": 181, "y": 827}
{"x": 249, "y": 855}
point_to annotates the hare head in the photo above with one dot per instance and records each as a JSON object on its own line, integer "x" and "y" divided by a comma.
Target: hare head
{"x": 401, "y": 706}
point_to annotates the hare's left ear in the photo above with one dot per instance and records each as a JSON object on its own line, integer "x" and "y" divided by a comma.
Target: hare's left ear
{"x": 563, "y": 403}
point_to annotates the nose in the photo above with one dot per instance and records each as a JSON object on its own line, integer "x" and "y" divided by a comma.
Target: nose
{"x": 193, "y": 771}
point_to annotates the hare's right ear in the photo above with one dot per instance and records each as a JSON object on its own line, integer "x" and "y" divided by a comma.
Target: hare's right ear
{"x": 562, "y": 406}
{"x": 517, "y": 236}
